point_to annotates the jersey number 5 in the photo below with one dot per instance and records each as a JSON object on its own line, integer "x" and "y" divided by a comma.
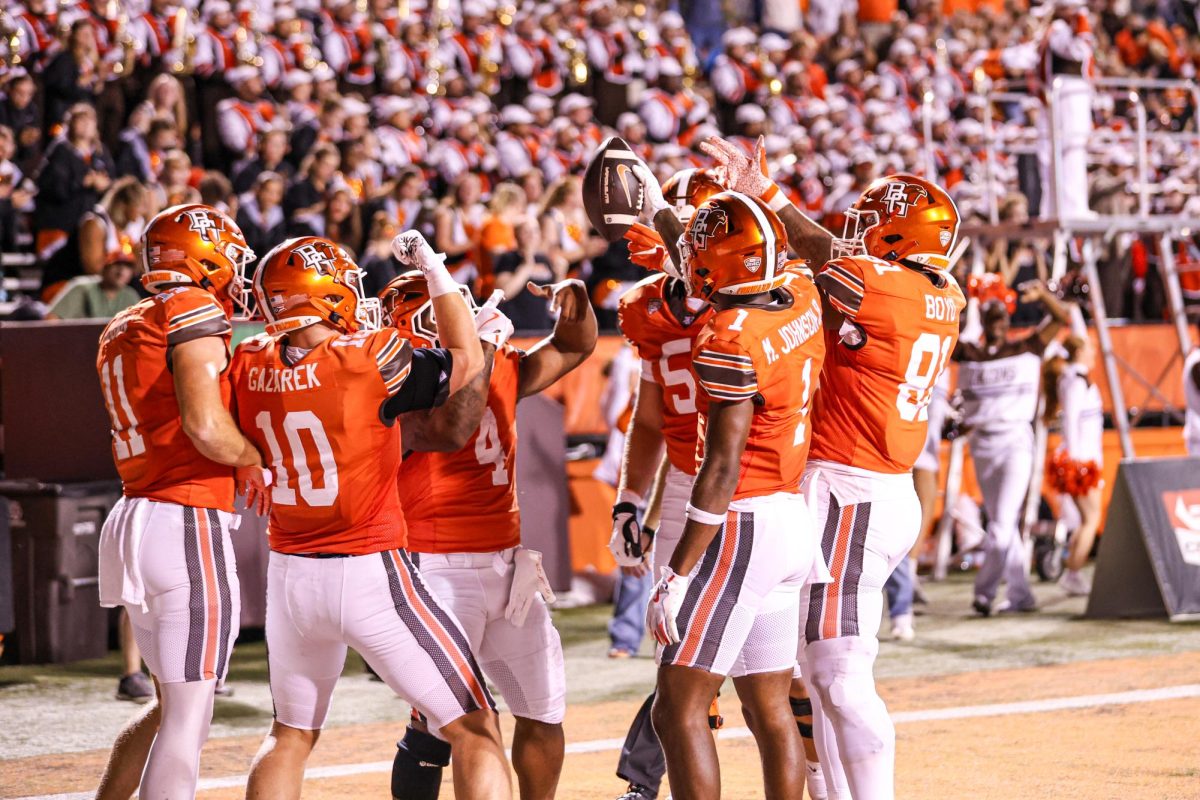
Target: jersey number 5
{"x": 489, "y": 452}
{"x": 284, "y": 491}
{"x": 929, "y": 356}
{"x": 685, "y": 399}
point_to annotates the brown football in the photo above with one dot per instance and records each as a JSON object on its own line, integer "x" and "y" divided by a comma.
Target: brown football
{"x": 612, "y": 193}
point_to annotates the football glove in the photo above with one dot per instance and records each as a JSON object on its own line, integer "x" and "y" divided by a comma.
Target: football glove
{"x": 663, "y": 608}
{"x": 529, "y": 582}
{"x": 740, "y": 172}
{"x": 491, "y": 324}
{"x": 652, "y": 194}
{"x": 626, "y": 540}
{"x": 646, "y": 249}
{"x": 411, "y": 250}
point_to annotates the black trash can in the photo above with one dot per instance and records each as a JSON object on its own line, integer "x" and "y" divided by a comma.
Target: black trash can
{"x": 55, "y": 568}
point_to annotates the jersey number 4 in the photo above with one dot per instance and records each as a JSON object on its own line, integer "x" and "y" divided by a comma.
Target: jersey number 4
{"x": 489, "y": 451}
{"x": 929, "y": 356}
{"x": 284, "y": 490}
{"x": 127, "y": 442}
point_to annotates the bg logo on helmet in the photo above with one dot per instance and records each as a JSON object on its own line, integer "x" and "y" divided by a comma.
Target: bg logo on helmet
{"x": 897, "y": 200}
{"x": 706, "y": 224}
{"x": 202, "y": 222}
{"x": 315, "y": 258}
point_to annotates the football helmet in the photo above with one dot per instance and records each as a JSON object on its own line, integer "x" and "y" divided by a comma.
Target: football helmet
{"x": 308, "y": 280}
{"x": 687, "y": 190}
{"x": 735, "y": 244}
{"x": 406, "y": 305}
{"x": 202, "y": 246}
{"x": 901, "y": 218}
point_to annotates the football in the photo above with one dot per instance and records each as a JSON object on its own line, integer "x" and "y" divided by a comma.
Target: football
{"x": 612, "y": 193}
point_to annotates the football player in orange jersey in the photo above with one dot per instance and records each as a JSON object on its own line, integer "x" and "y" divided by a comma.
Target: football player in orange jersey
{"x": 458, "y": 488}
{"x": 165, "y": 553}
{"x": 680, "y": 196}
{"x": 661, "y": 322}
{"x": 728, "y": 603}
{"x": 891, "y": 322}
{"x": 320, "y": 393}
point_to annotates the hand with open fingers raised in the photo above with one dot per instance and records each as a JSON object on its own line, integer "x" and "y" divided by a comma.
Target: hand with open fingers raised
{"x": 646, "y": 249}
{"x": 740, "y": 172}
{"x": 567, "y": 298}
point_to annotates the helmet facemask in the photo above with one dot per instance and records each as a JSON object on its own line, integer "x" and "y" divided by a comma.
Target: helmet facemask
{"x": 368, "y": 312}
{"x": 854, "y": 231}
{"x": 239, "y": 289}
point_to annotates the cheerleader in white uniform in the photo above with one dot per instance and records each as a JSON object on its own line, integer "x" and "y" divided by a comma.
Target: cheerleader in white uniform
{"x": 1000, "y": 380}
{"x": 1074, "y": 470}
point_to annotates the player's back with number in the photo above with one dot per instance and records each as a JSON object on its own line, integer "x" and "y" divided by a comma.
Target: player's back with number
{"x": 154, "y": 456}
{"x": 900, "y": 327}
{"x": 317, "y": 418}
{"x": 466, "y": 501}
{"x": 772, "y": 356}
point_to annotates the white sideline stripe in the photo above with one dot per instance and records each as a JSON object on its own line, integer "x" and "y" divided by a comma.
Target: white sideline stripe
{"x": 901, "y": 717}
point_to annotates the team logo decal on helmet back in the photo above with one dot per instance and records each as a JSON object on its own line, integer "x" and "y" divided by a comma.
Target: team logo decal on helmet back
{"x": 315, "y": 258}
{"x": 202, "y": 222}
{"x": 707, "y": 223}
{"x": 897, "y": 198}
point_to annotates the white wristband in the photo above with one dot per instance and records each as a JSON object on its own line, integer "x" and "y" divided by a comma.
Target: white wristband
{"x": 776, "y": 198}
{"x": 440, "y": 281}
{"x": 704, "y": 517}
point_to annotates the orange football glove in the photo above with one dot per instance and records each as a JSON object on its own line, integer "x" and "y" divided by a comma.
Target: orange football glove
{"x": 646, "y": 248}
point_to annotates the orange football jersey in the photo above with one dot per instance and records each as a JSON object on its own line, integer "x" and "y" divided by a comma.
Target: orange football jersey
{"x": 154, "y": 457}
{"x": 901, "y": 327}
{"x": 466, "y": 501}
{"x": 664, "y": 344}
{"x": 770, "y": 355}
{"x": 317, "y": 422}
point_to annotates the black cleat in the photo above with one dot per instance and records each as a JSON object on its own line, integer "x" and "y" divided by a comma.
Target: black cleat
{"x": 982, "y": 606}
{"x": 638, "y": 792}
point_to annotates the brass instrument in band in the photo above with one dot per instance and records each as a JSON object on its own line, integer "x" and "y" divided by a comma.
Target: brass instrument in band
{"x": 489, "y": 70}
{"x": 577, "y": 64}
{"x": 183, "y": 44}
{"x": 10, "y": 40}
{"x": 439, "y": 22}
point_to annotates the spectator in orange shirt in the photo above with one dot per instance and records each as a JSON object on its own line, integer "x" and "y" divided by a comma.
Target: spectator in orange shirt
{"x": 498, "y": 234}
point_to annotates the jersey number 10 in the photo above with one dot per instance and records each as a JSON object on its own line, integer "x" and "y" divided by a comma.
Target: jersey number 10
{"x": 929, "y": 356}
{"x": 284, "y": 491}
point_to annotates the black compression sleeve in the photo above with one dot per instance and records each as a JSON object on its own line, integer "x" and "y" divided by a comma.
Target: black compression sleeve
{"x": 427, "y": 385}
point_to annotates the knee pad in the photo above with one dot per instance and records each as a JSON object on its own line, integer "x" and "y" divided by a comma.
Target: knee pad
{"x": 801, "y": 710}
{"x": 417, "y": 768}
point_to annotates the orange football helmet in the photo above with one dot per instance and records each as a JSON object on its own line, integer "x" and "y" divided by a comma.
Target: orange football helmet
{"x": 687, "y": 190}
{"x": 309, "y": 280}
{"x": 408, "y": 308}
{"x": 735, "y": 244}
{"x": 901, "y": 218}
{"x": 201, "y": 246}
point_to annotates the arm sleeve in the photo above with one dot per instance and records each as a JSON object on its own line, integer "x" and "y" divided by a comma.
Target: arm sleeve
{"x": 725, "y": 370}
{"x": 842, "y": 282}
{"x": 427, "y": 384}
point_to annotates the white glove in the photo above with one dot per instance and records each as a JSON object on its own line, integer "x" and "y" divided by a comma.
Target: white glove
{"x": 529, "y": 581}
{"x": 492, "y": 326}
{"x": 652, "y": 195}
{"x": 740, "y": 172}
{"x": 626, "y": 541}
{"x": 411, "y": 250}
{"x": 665, "y": 602}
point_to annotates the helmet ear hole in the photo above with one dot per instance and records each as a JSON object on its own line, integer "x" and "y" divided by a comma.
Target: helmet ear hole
{"x": 892, "y": 238}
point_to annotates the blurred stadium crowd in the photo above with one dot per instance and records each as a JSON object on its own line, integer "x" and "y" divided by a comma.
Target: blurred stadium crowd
{"x": 355, "y": 119}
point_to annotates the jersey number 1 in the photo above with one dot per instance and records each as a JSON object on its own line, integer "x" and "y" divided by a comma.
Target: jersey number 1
{"x": 284, "y": 492}
{"x": 929, "y": 356}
